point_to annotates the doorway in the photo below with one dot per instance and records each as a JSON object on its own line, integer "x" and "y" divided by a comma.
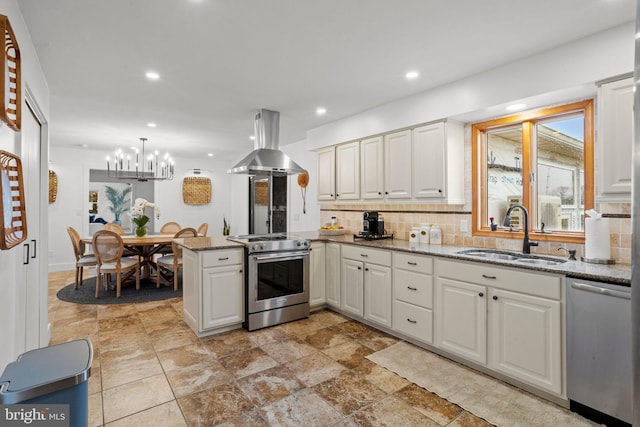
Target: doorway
{"x": 267, "y": 204}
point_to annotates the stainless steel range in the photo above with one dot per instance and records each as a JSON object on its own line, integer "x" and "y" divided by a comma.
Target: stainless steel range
{"x": 277, "y": 279}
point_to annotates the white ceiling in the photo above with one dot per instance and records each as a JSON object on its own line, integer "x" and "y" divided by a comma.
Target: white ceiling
{"x": 222, "y": 60}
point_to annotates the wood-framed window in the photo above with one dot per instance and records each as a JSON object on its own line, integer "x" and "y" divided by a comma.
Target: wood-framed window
{"x": 540, "y": 159}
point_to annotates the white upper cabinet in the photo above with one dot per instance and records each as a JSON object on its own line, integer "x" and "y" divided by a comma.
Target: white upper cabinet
{"x": 397, "y": 165}
{"x": 372, "y": 163}
{"x": 327, "y": 174}
{"x": 438, "y": 162}
{"x": 614, "y": 141}
{"x": 348, "y": 171}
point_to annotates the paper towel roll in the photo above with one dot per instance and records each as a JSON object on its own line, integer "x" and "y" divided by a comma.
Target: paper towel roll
{"x": 597, "y": 240}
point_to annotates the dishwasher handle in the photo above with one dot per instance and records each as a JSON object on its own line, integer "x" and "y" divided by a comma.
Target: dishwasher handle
{"x": 601, "y": 291}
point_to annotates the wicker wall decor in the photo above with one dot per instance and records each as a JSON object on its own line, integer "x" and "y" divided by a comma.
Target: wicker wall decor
{"x": 11, "y": 87}
{"x": 53, "y": 187}
{"x": 196, "y": 190}
{"x": 262, "y": 193}
{"x": 13, "y": 215}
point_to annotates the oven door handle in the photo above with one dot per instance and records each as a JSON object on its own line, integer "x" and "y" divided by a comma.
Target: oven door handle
{"x": 281, "y": 256}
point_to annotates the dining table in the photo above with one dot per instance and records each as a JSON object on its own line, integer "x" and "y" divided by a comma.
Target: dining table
{"x": 145, "y": 247}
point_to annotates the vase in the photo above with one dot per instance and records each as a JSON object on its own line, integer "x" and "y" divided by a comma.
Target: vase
{"x": 141, "y": 231}
{"x": 494, "y": 227}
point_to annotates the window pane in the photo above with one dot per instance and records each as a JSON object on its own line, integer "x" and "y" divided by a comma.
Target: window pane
{"x": 560, "y": 174}
{"x": 504, "y": 174}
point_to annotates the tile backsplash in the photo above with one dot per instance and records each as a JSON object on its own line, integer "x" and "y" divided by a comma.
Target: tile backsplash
{"x": 399, "y": 218}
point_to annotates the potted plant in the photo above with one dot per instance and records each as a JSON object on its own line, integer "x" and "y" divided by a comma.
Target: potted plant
{"x": 119, "y": 201}
{"x": 494, "y": 226}
{"x": 226, "y": 229}
{"x": 139, "y": 218}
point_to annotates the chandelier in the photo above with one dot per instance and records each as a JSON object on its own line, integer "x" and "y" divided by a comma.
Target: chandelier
{"x": 136, "y": 166}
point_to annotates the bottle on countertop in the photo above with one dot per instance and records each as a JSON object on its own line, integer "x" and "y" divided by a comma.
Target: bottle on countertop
{"x": 435, "y": 235}
{"x": 424, "y": 233}
{"x": 414, "y": 235}
{"x": 380, "y": 225}
{"x": 334, "y": 220}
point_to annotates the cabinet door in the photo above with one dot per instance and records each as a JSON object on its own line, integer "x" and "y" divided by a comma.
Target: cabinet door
{"x": 222, "y": 296}
{"x": 317, "y": 294}
{"x": 429, "y": 161}
{"x": 348, "y": 171}
{"x": 190, "y": 288}
{"x": 526, "y": 338}
{"x": 377, "y": 294}
{"x": 614, "y": 140}
{"x": 352, "y": 287}
{"x": 327, "y": 174}
{"x": 461, "y": 319}
{"x": 332, "y": 277}
{"x": 371, "y": 161}
{"x": 397, "y": 165}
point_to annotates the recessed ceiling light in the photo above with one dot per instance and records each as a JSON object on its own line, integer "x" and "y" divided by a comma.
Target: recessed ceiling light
{"x": 252, "y": 137}
{"x": 321, "y": 111}
{"x": 516, "y": 107}
{"x": 151, "y": 125}
{"x": 152, "y": 75}
{"x": 412, "y": 75}
{"x": 210, "y": 154}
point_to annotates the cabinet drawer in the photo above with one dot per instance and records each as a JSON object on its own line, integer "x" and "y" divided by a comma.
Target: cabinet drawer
{"x": 360, "y": 253}
{"x": 417, "y": 263}
{"x": 413, "y": 288}
{"x": 533, "y": 283}
{"x": 416, "y": 322}
{"x": 222, "y": 257}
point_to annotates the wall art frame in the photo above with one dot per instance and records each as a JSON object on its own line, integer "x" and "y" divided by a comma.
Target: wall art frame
{"x": 10, "y": 75}
{"x": 13, "y": 214}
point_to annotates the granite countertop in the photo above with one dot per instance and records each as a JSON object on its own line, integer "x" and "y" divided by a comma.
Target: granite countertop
{"x": 616, "y": 273}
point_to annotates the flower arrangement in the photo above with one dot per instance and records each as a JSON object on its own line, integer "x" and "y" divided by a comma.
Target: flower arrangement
{"x": 138, "y": 216}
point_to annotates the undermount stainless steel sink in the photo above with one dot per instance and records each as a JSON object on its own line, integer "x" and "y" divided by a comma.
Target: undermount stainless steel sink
{"x": 512, "y": 256}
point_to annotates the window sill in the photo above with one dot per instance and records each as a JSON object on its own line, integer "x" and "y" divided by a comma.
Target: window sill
{"x": 556, "y": 236}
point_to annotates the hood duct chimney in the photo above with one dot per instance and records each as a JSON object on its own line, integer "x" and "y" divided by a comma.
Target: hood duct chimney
{"x": 266, "y": 158}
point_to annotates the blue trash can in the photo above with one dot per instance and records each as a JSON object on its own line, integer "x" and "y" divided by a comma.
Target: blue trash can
{"x": 57, "y": 374}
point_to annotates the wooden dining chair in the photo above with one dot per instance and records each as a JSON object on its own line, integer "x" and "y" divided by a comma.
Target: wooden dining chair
{"x": 82, "y": 260}
{"x": 202, "y": 230}
{"x": 170, "y": 228}
{"x": 108, "y": 247}
{"x": 173, "y": 262}
{"x": 116, "y": 228}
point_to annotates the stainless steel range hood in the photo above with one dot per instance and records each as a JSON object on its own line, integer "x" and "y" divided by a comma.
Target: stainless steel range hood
{"x": 266, "y": 159}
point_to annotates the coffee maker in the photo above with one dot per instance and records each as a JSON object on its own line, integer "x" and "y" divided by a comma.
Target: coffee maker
{"x": 370, "y": 224}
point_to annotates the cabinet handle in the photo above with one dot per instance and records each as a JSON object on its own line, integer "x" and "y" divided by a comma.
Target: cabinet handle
{"x": 412, "y": 289}
{"x": 386, "y": 192}
{"x": 337, "y": 195}
{"x": 240, "y": 271}
{"x": 359, "y": 268}
{"x": 366, "y": 269}
{"x": 34, "y": 248}
{"x": 380, "y": 193}
{"x": 486, "y": 276}
{"x": 223, "y": 259}
{"x": 25, "y": 253}
{"x": 412, "y": 263}
{"x": 481, "y": 294}
{"x": 331, "y": 195}
{"x": 495, "y": 298}
{"x": 439, "y": 190}
{"x": 411, "y": 320}
{"x": 364, "y": 255}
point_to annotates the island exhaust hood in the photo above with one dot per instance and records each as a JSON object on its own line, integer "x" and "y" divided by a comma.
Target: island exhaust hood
{"x": 266, "y": 158}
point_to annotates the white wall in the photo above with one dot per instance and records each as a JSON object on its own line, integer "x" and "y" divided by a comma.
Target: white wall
{"x": 71, "y": 207}
{"x": 297, "y": 220}
{"x": 13, "y": 315}
{"x": 574, "y": 66}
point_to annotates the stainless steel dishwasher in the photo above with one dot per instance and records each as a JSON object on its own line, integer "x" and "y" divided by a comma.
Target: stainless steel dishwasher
{"x": 599, "y": 370}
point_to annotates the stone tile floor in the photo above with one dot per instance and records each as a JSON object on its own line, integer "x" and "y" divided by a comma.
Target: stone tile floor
{"x": 150, "y": 369}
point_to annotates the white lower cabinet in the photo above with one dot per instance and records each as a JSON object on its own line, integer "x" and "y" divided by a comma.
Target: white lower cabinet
{"x": 461, "y": 322}
{"x": 366, "y": 283}
{"x": 332, "y": 274}
{"x": 317, "y": 275}
{"x": 413, "y": 296}
{"x": 213, "y": 290}
{"x": 526, "y": 332}
{"x": 506, "y": 319}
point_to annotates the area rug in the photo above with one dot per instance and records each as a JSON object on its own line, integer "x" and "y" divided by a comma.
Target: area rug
{"x": 483, "y": 396}
{"x": 86, "y": 294}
